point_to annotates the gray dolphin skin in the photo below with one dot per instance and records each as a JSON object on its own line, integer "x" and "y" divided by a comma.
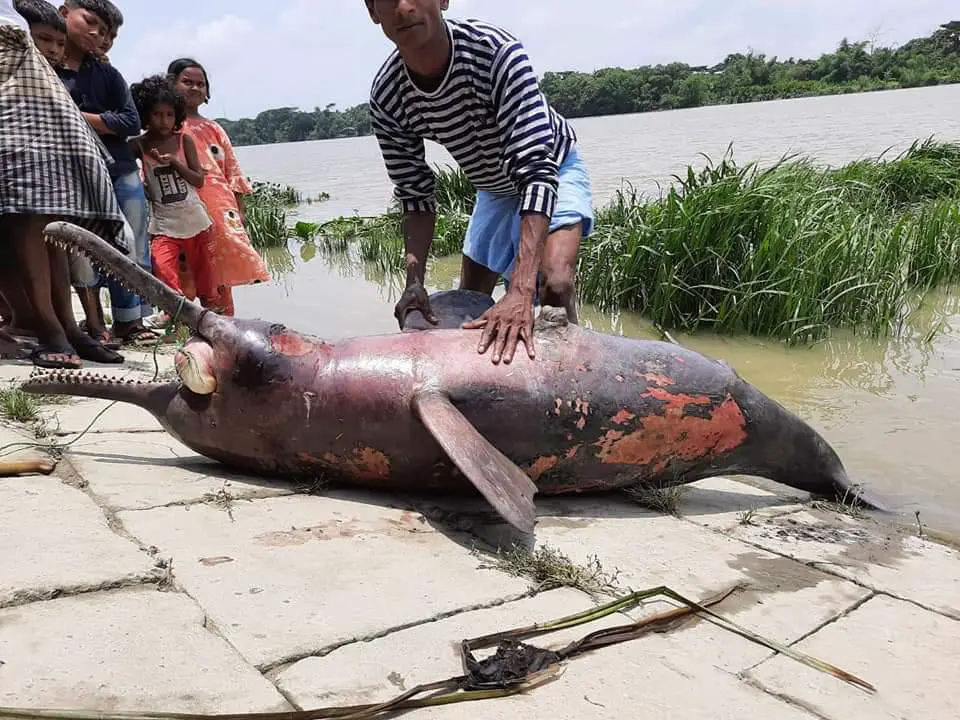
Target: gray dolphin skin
{"x": 422, "y": 410}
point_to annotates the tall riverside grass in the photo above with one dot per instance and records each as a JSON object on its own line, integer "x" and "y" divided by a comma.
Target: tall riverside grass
{"x": 788, "y": 251}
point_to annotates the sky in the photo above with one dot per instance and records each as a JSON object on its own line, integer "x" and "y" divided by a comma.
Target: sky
{"x": 308, "y": 53}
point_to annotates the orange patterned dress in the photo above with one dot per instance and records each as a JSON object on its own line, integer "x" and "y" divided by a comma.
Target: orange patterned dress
{"x": 236, "y": 261}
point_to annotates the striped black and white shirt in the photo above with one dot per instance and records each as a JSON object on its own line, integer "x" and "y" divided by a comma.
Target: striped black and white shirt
{"x": 488, "y": 112}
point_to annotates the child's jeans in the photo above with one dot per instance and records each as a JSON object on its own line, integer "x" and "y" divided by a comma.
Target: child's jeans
{"x": 166, "y": 262}
{"x": 126, "y": 306}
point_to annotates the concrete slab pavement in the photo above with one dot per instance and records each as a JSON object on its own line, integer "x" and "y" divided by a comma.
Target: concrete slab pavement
{"x": 879, "y": 556}
{"x": 907, "y": 652}
{"x": 643, "y": 677}
{"x": 54, "y": 540}
{"x": 127, "y": 471}
{"x": 129, "y": 649}
{"x": 284, "y": 577}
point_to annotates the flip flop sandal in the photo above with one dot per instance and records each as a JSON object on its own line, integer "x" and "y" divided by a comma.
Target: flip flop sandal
{"x": 90, "y": 349}
{"x": 37, "y": 357}
{"x": 106, "y": 338}
{"x": 142, "y": 336}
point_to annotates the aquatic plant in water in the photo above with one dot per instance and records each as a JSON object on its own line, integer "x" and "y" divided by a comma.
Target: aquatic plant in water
{"x": 266, "y": 209}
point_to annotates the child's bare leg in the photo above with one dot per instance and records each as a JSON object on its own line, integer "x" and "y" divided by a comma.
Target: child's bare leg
{"x": 85, "y": 281}
{"x": 87, "y": 347}
{"x": 88, "y": 301}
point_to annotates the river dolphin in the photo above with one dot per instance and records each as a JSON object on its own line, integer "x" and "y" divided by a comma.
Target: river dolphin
{"x": 423, "y": 410}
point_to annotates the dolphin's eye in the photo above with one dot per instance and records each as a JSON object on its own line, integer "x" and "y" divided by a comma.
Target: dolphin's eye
{"x": 257, "y": 367}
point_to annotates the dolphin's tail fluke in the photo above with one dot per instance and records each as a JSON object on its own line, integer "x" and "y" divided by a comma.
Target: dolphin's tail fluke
{"x": 788, "y": 450}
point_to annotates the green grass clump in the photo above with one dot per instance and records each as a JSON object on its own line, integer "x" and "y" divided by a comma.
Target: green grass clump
{"x": 266, "y": 209}
{"x": 18, "y": 406}
{"x": 789, "y": 251}
{"x": 286, "y": 195}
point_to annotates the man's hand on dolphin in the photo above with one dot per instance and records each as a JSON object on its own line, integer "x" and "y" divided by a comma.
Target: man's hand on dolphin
{"x": 414, "y": 298}
{"x": 510, "y": 320}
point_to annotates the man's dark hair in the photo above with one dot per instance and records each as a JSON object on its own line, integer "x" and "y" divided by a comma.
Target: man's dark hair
{"x": 156, "y": 89}
{"x": 103, "y": 9}
{"x": 40, "y": 12}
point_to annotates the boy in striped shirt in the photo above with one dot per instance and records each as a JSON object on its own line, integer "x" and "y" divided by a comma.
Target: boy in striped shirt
{"x": 469, "y": 86}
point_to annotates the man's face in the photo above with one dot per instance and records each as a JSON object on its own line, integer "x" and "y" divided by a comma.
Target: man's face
{"x": 409, "y": 24}
{"x": 49, "y": 41}
{"x": 85, "y": 29}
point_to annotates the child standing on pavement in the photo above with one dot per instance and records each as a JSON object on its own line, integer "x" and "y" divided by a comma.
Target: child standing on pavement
{"x": 179, "y": 221}
{"x": 104, "y": 99}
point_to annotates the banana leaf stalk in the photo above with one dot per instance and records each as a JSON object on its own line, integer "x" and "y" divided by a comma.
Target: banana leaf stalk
{"x": 515, "y": 668}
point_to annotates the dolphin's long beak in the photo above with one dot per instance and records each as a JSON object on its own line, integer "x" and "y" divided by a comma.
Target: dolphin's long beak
{"x": 152, "y": 396}
{"x": 127, "y": 272}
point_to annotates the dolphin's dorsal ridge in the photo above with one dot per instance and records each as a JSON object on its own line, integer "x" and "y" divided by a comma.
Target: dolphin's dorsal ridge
{"x": 551, "y": 318}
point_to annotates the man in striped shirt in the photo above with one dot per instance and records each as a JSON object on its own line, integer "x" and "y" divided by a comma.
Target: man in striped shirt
{"x": 469, "y": 86}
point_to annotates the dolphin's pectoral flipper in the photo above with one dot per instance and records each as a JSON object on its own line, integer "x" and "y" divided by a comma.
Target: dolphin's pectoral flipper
{"x": 502, "y": 483}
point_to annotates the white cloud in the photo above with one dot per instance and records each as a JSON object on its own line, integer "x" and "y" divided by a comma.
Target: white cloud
{"x": 308, "y": 53}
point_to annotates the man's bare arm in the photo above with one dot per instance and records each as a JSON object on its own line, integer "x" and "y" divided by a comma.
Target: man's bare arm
{"x": 418, "y": 228}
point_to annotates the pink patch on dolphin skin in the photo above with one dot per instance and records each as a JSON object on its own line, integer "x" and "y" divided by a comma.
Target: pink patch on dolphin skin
{"x": 294, "y": 344}
{"x": 661, "y": 438}
{"x": 542, "y": 465}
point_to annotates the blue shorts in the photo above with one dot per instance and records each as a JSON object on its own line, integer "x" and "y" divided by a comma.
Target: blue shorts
{"x": 493, "y": 233}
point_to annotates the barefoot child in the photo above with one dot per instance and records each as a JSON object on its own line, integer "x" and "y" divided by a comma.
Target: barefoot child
{"x": 172, "y": 173}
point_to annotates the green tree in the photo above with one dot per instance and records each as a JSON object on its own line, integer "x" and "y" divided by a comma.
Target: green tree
{"x": 740, "y": 77}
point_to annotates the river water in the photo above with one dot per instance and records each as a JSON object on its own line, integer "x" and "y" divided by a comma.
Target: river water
{"x": 890, "y": 408}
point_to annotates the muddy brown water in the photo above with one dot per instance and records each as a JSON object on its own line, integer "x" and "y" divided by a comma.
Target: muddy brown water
{"x": 890, "y": 408}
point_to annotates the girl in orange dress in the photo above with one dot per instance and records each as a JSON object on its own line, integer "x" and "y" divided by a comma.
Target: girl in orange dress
{"x": 235, "y": 261}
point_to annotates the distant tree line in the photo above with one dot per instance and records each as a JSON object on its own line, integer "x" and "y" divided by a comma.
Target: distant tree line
{"x": 740, "y": 78}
